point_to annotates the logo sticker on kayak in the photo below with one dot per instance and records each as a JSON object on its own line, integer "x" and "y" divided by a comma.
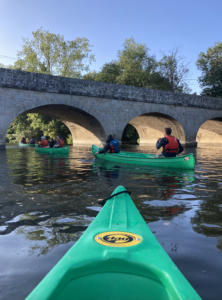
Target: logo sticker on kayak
{"x": 186, "y": 158}
{"x": 118, "y": 239}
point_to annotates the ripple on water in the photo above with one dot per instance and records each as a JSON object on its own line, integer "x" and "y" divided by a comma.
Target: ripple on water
{"x": 182, "y": 208}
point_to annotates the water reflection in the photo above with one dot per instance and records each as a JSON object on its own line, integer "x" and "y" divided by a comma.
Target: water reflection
{"x": 47, "y": 202}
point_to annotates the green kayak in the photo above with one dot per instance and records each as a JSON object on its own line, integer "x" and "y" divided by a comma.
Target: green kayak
{"x": 117, "y": 257}
{"x": 26, "y": 145}
{"x": 179, "y": 162}
{"x": 52, "y": 150}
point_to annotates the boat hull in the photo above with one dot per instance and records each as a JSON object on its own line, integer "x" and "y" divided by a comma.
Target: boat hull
{"x": 117, "y": 257}
{"x": 26, "y": 145}
{"x": 62, "y": 150}
{"x": 179, "y": 162}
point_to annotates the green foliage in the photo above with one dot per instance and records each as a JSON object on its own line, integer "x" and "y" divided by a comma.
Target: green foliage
{"x": 50, "y": 126}
{"x": 90, "y": 76}
{"x": 20, "y": 127}
{"x": 69, "y": 140}
{"x": 109, "y": 73}
{"x": 6, "y": 67}
{"x": 35, "y": 125}
{"x": 210, "y": 65}
{"x": 49, "y": 53}
{"x": 134, "y": 66}
{"x": 130, "y": 134}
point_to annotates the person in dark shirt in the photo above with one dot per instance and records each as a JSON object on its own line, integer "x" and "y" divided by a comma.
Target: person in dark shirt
{"x": 171, "y": 145}
{"x": 32, "y": 141}
{"x": 52, "y": 143}
{"x": 112, "y": 145}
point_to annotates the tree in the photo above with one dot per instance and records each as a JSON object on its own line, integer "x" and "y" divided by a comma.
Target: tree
{"x": 35, "y": 125}
{"x": 49, "y": 53}
{"x": 20, "y": 127}
{"x": 130, "y": 134}
{"x": 133, "y": 66}
{"x": 90, "y": 76}
{"x": 175, "y": 70}
{"x": 136, "y": 64}
{"x": 50, "y": 127}
{"x": 109, "y": 73}
{"x": 6, "y": 67}
{"x": 210, "y": 65}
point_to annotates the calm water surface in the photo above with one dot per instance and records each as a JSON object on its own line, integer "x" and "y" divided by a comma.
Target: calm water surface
{"x": 46, "y": 203}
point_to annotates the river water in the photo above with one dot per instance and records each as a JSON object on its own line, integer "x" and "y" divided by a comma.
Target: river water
{"x": 46, "y": 203}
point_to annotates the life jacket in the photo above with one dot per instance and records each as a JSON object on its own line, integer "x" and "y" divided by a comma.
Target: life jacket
{"x": 44, "y": 143}
{"x": 24, "y": 141}
{"x": 114, "y": 146}
{"x": 172, "y": 146}
{"x": 61, "y": 143}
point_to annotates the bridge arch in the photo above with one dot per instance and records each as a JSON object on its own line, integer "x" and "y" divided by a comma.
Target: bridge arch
{"x": 210, "y": 133}
{"x": 80, "y": 118}
{"x": 84, "y": 128}
{"x": 150, "y": 127}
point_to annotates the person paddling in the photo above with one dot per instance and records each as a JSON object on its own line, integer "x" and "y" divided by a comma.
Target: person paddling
{"x": 112, "y": 145}
{"x": 23, "y": 141}
{"x": 43, "y": 142}
{"x": 171, "y": 145}
{"x": 60, "y": 141}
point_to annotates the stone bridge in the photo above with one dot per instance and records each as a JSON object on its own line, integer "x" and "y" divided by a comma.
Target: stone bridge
{"x": 93, "y": 110}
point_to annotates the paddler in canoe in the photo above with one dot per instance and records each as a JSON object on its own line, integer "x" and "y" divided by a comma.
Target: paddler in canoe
{"x": 52, "y": 143}
{"x": 32, "y": 141}
{"x": 43, "y": 143}
{"x": 112, "y": 145}
{"x": 23, "y": 141}
{"x": 60, "y": 141}
{"x": 171, "y": 145}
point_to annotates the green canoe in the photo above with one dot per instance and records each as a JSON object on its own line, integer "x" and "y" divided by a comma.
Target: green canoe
{"x": 117, "y": 257}
{"x": 52, "y": 150}
{"x": 179, "y": 162}
{"x": 26, "y": 145}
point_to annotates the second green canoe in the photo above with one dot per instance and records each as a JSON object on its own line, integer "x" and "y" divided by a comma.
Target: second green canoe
{"x": 48, "y": 150}
{"x": 179, "y": 162}
{"x": 26, "y": 145}
{"x": 117, "y": 258}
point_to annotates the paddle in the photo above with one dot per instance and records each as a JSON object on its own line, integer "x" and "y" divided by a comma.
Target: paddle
{"x": 100, "y": 143}
{"x": 99, "y": 147}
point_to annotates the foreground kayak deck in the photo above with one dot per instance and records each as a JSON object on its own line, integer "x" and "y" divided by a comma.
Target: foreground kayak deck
{"x": 52, "y": 150}
{"x": 26, "y": 145}
{"x": 118, "y": 258}
{"x": 179, "y": 162}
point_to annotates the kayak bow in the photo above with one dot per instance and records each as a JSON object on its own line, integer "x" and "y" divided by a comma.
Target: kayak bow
{"x": 179, "y": 162}
{"x": 26, "y": 145}
{"x": 118, "y": 258}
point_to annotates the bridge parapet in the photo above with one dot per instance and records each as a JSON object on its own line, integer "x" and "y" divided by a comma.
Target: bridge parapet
{"x": 62, "y": 85}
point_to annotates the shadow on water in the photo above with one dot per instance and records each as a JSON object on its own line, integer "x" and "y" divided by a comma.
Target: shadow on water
{"x": 47, "y": 202}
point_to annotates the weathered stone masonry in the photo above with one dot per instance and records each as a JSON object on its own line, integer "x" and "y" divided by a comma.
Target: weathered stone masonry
{"x": 92, "y": 110}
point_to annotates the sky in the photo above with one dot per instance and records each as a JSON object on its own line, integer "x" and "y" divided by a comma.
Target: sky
{"x": 193, "y": 24}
